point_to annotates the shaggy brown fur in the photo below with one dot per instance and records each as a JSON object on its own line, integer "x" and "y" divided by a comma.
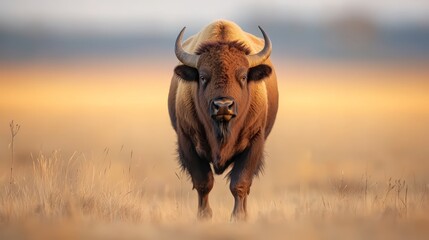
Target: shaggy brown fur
{"x": 206, "y": 47}
{"x": 223, "y": 71}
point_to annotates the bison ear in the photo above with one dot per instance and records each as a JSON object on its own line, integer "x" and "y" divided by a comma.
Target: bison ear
{"x": 186, "y": 73}
{"x": 259, "y": 72}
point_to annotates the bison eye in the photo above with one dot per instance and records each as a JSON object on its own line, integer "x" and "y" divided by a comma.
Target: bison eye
{"x": 203, "y": 79}
{"x": 243, "y": 78}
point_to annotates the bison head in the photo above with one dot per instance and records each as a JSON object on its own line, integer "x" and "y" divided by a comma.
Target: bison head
{"x": 223, "y": 71}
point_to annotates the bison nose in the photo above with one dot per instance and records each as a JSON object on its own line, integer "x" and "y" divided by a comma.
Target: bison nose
{"x": 223, "y": 109}
{"x": 223, "y": 104}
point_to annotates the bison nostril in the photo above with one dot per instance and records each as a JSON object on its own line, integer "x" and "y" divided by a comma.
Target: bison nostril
{"x": 223, "y": 106}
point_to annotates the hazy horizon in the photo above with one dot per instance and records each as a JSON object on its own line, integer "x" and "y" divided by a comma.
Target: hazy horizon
{"x": 164, "y": 16}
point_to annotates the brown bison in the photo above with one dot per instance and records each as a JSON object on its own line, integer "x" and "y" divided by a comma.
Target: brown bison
{"x": 222, "y": 102}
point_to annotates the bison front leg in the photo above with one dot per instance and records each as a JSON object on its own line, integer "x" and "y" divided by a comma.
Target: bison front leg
{"x": 246, "y": 166}
{"x": 201, "y": 174}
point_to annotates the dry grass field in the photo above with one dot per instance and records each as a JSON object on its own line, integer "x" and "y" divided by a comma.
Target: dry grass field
{"x": 94, "y": 157}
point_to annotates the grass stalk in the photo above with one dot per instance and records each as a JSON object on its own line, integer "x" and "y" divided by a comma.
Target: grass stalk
{"x": 14, "y": 129}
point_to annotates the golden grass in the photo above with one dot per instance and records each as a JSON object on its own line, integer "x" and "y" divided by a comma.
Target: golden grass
{"x": 97, "y": 197}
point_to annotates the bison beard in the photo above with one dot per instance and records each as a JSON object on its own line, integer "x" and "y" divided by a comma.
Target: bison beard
{"x": 222, "y": 129}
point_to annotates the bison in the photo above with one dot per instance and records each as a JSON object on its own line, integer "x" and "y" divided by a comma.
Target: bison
{"x": 223, "y": 102}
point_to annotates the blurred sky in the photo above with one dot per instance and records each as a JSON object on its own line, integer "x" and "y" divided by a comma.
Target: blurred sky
{"x": 328, "y": 29}
{"x": 119, "y": 14}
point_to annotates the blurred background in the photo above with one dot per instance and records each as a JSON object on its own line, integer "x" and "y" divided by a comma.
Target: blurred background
{"x": 88, "y": 76}
{"x": 328, "y": 30}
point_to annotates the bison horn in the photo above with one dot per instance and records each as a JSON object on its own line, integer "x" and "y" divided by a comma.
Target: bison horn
{"x": 260, "y": 57}
{"x": 188, "y": 59}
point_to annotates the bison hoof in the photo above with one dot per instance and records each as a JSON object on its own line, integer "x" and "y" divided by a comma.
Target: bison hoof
{"x": 205, "y": 214}
{"x": 238, "y": 217}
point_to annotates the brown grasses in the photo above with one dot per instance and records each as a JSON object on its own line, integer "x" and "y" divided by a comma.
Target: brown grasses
{"x": 76, "y": 191}
{"x": 14, "y": 129}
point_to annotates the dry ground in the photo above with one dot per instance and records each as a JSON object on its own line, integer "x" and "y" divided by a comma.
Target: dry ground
{"x": 94, "y": 158}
